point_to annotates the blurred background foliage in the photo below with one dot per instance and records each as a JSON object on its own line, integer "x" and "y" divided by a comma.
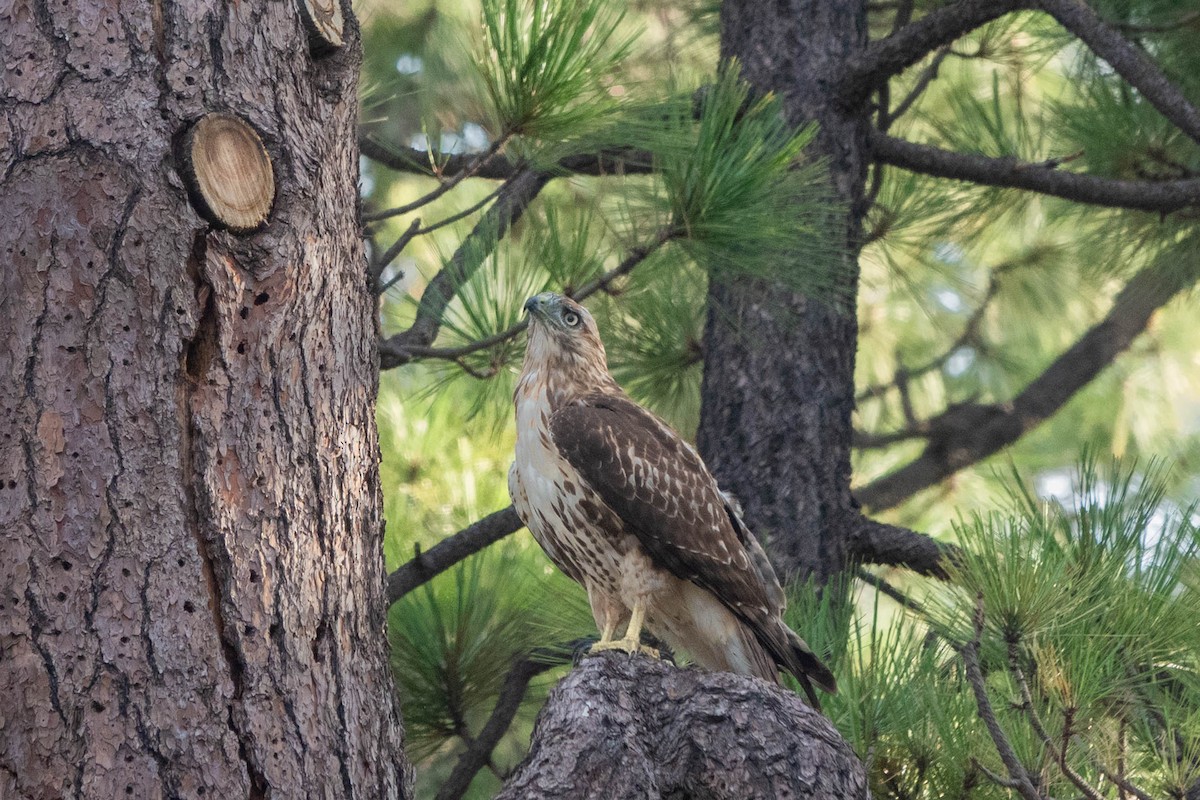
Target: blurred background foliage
{"x": 967, "y": 293}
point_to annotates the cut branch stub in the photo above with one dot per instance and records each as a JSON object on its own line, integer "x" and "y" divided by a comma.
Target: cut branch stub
{"x": 323, "y": 21}
{"x": 228, "y": 173}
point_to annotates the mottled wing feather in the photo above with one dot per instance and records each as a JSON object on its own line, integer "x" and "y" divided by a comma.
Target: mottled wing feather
{"x": 666, "y": 497}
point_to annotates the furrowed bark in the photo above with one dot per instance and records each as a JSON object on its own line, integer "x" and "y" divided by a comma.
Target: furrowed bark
{"x": 621, "y": 726}
{"x": 191, "y": 571}
{"x": 768, "y": 348}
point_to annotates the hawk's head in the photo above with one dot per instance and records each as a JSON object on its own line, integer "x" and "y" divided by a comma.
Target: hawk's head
{"x": 563, "y": 336}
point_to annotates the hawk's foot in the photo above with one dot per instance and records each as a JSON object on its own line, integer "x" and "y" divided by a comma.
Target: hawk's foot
{"x": 625, "y": 646}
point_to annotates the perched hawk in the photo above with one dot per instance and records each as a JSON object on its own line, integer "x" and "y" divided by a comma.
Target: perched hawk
{"x": 624, "y": 506}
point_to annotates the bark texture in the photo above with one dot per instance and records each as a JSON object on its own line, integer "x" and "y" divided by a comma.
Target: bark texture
{"x": 630, "y": 727}
{"x": 191, "y": 576}
{"x": 768, "y": 348}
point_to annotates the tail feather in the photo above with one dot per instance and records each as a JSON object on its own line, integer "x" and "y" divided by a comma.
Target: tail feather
{"x": 793, "y": 654}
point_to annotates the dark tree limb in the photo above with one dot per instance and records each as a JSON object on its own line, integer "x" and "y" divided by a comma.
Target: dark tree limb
{"x": 873, "y": 542}
{"x": 451, "y": 550}
{"x": 510, "y": 204}
{"x": 1159, "y": 196}
{"x": 968, "y": 433}
{"x": 883, "y": 58}
{"x": 1127, "y": 60}
{"x": 621, "y": 726}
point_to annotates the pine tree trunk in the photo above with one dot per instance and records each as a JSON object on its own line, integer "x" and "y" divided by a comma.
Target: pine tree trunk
{"x": 191, "y": 576}
{"x": 778, "y": 385}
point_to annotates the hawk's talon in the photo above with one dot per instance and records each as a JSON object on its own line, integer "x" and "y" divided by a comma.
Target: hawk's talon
{"x": 625, "y": 646}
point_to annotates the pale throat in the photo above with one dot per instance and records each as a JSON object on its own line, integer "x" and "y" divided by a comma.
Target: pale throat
{"x": 558, "y": 375}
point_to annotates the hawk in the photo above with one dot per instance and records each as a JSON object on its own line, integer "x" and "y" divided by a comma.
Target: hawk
{"x": 625, "y": 507}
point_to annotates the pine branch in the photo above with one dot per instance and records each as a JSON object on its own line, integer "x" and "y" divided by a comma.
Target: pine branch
{"x": 609, "y": 161}
{"x": 883, "y": 58}
{"x": 636, "y": 256}
{"x": 516, "y": 195}
{"x": 970, "y": 656}
{"x": 451, "y": 550}
{"x": 467, "y": 171}
{"x": 1127, "y": 60}
{"x": 967, "y": 433}
{"x": 1159, "y": 196}
{"x": 479, "y": 749}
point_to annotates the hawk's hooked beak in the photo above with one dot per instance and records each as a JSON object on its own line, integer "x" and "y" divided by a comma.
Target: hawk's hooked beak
{"x": 538, "y": 304}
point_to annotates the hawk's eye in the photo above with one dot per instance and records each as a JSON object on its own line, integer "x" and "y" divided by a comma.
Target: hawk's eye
{"x": 571, "y": 319}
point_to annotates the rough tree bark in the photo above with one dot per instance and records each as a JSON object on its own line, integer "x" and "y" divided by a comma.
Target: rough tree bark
{"x": 191, "y": 575}
{"x": 769, "y": 348}
{"x": 621, "y": 726}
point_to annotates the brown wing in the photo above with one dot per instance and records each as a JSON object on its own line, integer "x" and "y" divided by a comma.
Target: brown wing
{"x": 662, "y": 491}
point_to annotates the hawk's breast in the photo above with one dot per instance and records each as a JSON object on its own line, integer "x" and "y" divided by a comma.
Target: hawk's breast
{"x": 580, "y": 534}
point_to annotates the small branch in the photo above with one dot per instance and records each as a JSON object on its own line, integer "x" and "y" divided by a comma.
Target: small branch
{"x": 927, "y": 76}
{"x": 451, "y": 550}
{"x": 1158, "y": 196}
{"x": 863, "y": 440}
{"x": 1175, "y": 26}
{"x": 873, "y": 542}
{"x": 969, "y": 334}
{"x": 883, "y": 587}
{"x": 610, "y": 161}
{"x": 476, "y": 164}
{"x": 514, "y": 198}
{"x": 883, "y": 58}
{"x": 1128, "y": 61}
{"x": 970, "y": 657}
{"x": 635, "y": 257}
{"x": 967, "y": 433}
{"x": 479, "y": 749}
{"x": 379, "y": 264}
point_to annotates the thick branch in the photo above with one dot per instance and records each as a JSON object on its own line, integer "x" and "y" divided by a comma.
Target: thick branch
{"x": 511, "y": 203}
{"x": 968, "y": 433}
{"x": 873, "y": 542}
{"x": 1127, "y": 60}
{"x": 451, "y": 550}
{"x": 883, "y": 58}
{"x": 624, "y": 726}
{"x": 1160, "y": 196}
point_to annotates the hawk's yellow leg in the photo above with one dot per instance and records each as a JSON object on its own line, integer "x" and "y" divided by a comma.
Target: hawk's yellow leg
{"x": 632, "y": 642}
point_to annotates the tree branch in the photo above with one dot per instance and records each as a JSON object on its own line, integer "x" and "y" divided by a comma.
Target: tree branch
{"x": 448, "y": 552}
{"x": 1159, "y": 196}
{"x": 883, "y": 58}
{"x": 511, "y": 203}
{"x": 968, "y": 433}
{"x": 873, "y": 542}
{"x": 636, "y": 256}
{"x": 1016, "y": 770}
{"x": 610, "y": 161}
{"x": 479, "y": 750}
{"x": 1128, "y": 61}
{"x": 621, "y": 726}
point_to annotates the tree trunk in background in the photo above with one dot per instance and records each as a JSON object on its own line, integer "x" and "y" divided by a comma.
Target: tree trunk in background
{"x": 622, "y": 727}
{"x": 191, "y": 574}
{"x": 768, "y": 348}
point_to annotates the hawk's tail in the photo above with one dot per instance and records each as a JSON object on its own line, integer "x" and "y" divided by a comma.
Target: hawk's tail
{"x": 793, "y": 654}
